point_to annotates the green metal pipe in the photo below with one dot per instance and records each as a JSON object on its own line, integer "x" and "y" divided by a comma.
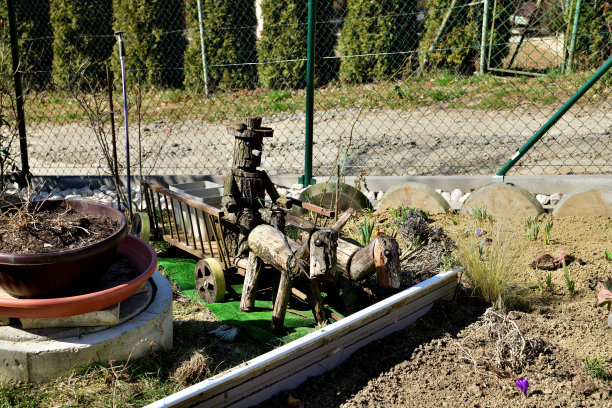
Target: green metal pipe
{"x": 307, "y": 179}
{"x": 23, "y": 143}
{"x": 203, "y": 47}
{"x": 555, "y": 118}
{"x": 570, "y": 61}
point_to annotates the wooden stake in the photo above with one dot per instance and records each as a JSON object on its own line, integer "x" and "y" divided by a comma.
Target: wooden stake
{"x": 281, "y": 303}
{"x": 251, "y": 278}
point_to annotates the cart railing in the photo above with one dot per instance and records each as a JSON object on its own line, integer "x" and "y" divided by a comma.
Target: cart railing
{"x": 170, "y": 213}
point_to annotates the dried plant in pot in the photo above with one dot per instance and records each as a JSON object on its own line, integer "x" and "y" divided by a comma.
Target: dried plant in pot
{"x": 55, "y": 272}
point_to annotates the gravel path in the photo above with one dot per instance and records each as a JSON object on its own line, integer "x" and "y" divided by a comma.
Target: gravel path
{"x": 421, "y": 141}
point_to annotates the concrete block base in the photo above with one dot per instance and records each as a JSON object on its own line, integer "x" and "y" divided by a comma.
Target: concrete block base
{"x": 586, "y": 201}
{"x": 503, "y": 200}
{"x": 411, "y": 194}
{"x": 39, "y": 355}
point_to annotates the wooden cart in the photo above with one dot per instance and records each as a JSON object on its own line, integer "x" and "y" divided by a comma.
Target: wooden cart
{"x": 194, "y": 227}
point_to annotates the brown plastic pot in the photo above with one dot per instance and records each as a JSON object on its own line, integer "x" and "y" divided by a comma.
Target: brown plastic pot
{"x": 41, "y": 275}
{"x": 132, "y": 248}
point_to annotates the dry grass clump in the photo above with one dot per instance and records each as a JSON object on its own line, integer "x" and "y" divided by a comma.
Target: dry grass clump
{"x": 490, "y": 272}
{"x": 496, "y": 344}
{"x": 193, "y": 369}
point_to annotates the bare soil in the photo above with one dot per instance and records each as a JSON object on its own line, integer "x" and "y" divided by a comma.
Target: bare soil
{"x": 448, "y": 358}
{"x": 35, "y": 232}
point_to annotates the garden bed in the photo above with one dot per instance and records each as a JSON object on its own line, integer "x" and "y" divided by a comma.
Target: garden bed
{"x": 427, "y": 364}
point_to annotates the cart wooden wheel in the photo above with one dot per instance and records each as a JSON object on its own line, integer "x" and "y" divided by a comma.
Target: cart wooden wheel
{"x": 209, "y": 280}
{"x": 141, "y": 227}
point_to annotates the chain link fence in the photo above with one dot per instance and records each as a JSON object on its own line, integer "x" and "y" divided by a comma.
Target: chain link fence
{"x": 432, "y": 87}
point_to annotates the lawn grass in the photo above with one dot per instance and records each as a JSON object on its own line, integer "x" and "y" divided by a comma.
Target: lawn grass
{"x": 444, "y": 89}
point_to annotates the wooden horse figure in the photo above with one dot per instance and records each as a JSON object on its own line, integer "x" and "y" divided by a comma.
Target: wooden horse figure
{"x": 313, "y": 261}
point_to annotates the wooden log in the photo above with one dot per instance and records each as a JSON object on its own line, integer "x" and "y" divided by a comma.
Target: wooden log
{"x": 252, "y": 122}
{"x": 349, "y": 295}
{"x": 276, "y": 250}
{"x": 251, "y": 278}
{"x": 386, "y": 261}
{"x": 281, "y": 302}
{"x": 381, "y": 256}
{"x": 316, "y": 301}
{"x": 323, "y": 255}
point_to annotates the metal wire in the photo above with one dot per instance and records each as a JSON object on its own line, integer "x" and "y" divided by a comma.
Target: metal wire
{"x": 447, "y": 120}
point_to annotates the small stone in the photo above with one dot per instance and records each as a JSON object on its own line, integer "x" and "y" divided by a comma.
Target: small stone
{"x": 297, "y": 186}
{"x": 446, "y": 195}
{"x": 380, "y": 195}
{"x": 555, "y": 198}
{"x": 438, "y": 190}
{"x": 547, "y": 392}
{"x": 456, "y": 194}
{"x": 464, "y": 197}
{"x": 542, "y": 198}
{"x": 371, "y": 195}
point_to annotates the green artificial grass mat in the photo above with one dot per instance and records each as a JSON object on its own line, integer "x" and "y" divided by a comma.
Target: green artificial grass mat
{"x": 256, "y": 324}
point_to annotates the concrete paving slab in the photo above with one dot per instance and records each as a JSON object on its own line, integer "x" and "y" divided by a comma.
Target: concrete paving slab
{"x": 411, "y": 194}
{"x": 503, "y": 200}
{"x": 32, "y": 356}
{"x": 586, "y": 201}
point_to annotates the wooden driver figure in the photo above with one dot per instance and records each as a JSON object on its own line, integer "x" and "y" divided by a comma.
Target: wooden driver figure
{"x": 245, "y": 187}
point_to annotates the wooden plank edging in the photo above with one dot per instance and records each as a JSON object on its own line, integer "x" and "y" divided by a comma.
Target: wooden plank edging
{"x": 290, "y": 365}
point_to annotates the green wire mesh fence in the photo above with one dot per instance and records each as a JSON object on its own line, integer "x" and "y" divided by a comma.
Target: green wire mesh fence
{"x": 431, "y": 87}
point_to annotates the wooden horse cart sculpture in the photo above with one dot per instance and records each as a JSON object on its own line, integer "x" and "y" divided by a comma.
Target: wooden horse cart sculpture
{"x": 247, "y": 235}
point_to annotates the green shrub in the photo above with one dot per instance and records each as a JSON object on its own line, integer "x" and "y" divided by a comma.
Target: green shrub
{"x": 35, "y": 43}
{"x": 387, "y": 27}
{"x": 458, "y": 48}
{"x": 229, "y": 38}
{"x": 83, "y": 35}
{"x": 154, "y": 40}
{"x": 284, "y": 37}
{"x": 594, "y": 38}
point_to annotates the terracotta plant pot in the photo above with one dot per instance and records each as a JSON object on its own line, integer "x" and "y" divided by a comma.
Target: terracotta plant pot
{"x": 52, "y": 273}
{"x": 134, "y": 249}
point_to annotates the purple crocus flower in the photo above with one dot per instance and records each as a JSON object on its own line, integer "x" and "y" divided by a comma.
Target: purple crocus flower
{"x": 479, "y": 232}
{"x": 523, "y": 385}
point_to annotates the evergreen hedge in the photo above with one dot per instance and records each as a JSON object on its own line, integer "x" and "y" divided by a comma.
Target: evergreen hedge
{"x": 83, "y": 34}
{"x": 35, "y": 43}
{"x": 229, "y": 38}
{"x": 284, "y": 37}
{"x": 594, "y": 37}
{"x": 154, "y": 40}
{"x": 387, "y": 27}
{"x": 458, "y": 49}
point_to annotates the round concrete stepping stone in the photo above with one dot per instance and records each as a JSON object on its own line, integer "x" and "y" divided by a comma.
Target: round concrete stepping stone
{"x": 324, "y": 195}
{"x": 504, "y": 200}
{"x": 412, "y": 194}
{"x": 593, "y": 200}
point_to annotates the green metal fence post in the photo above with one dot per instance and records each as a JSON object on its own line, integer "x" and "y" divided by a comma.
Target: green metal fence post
{"x": 23, "y": 143}
{"x": 307, "y": 179}
{"x": 555, "y": 118}
{"x": 203, "y": 46}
